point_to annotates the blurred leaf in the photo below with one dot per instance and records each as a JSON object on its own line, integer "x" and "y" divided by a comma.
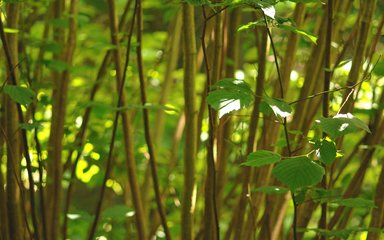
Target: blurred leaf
{"x": 355, "y": 203}
{"x": 19, "y": 94}
{"x": 310, "y": 36}
{"x": 30, "y": 126}
{"x": 298, "y": 172}
{"x": 56, "y": 65}
{"x": 341, "y": 124}
{"x": 117, "y": 212}
{"x": 271, "y": 190}
{"x": 261, "y": 158}
{"x": 379, "y": 69}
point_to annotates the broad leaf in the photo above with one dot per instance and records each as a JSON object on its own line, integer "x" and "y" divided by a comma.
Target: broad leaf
{"x": 341, "y": 124}
{"x": 261, "y": 158}
{"x": 327, "y": 151}
{"x": 19, "y": 94}
{"x": 278, "y": 106}
{"x": 355, "y": 203}
{"x": 230, "y": 95}
{"x": 308, "y": 35}
{"x": 298, "y": 172}
{"x": 379, "y": 69}
{"x": 271, "y": 190}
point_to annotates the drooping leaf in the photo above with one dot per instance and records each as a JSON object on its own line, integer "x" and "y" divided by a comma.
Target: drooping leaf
{"x": 327, "y": 151}
{"x": 341, "y": 124}
{"x": 230, "y": 95}
{"x": 251, "y": 25}
{"x": 272, "y": 190}
{"x": 278, "y": 106}
{"x": 19, "y": 94}
{"x": 306, "y": 34}
{"x": 355, "y": 203}
{"x": 261, "y": 158}
{"x": 298, "y": 172}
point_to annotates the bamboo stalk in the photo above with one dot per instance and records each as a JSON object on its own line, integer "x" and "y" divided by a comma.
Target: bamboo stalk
{"x": 190, "y": 148}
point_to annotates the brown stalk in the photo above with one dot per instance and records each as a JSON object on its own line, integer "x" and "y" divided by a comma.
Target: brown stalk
{"x": 148, "y": 138}
{"x": 131, "y": 167}
{"x": 16, "y": 115}
{"x": 366, "y": 13}
{"x": 80, "y": 136}
{"x": 327, "y": 80}
{"x": 225, "y": 124}
{"x": 377, "y": 214}
{"x": 211, "y": 222}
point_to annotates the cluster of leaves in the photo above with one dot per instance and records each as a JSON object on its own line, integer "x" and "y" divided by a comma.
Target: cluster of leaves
{"x": 298, "y": 172}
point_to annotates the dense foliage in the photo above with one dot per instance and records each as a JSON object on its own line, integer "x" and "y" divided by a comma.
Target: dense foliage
{"x": 195, "y": 119}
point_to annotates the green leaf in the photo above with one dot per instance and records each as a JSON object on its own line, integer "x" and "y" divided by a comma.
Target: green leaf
{"x": 56, "y": 65}
{"x": 298, "y": 172}
{"x": 300, "y": 195}
{"x": 341, "y": 124}
{"x": 261, "y": 158}
{"x": 278, "y": 106}
{"x": 230, "y": 95}
{"x": 379, "y": 69}
{"x": 271, "y": 190}
{"x": 355, "y": 203}
{"x": 30, "y": 126}
{"x": 19, "y": 94}
{"x": 251, "y": 25}
{"x": 117, "y": 212}
{"x": 327, "y": 151}
{"x": 308, "y": 35}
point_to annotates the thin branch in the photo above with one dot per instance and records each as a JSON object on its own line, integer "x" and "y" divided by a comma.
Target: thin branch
{"x": 211, "y": 170}
{"x": 148, "y": 139}
{"x": 284, "y": 121}
{"x": 113, "y": 137}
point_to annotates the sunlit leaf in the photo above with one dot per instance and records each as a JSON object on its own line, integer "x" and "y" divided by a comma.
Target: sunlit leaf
{"x": 298, "y": 172}
{"x": 278, "y": 106}
{"x": 341, "y": 124}
{"x": 230, "y": 95}
{"x": 19, "y": 94}
{"x": 261, "y": 158}
{"x": 269, "y": 11}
